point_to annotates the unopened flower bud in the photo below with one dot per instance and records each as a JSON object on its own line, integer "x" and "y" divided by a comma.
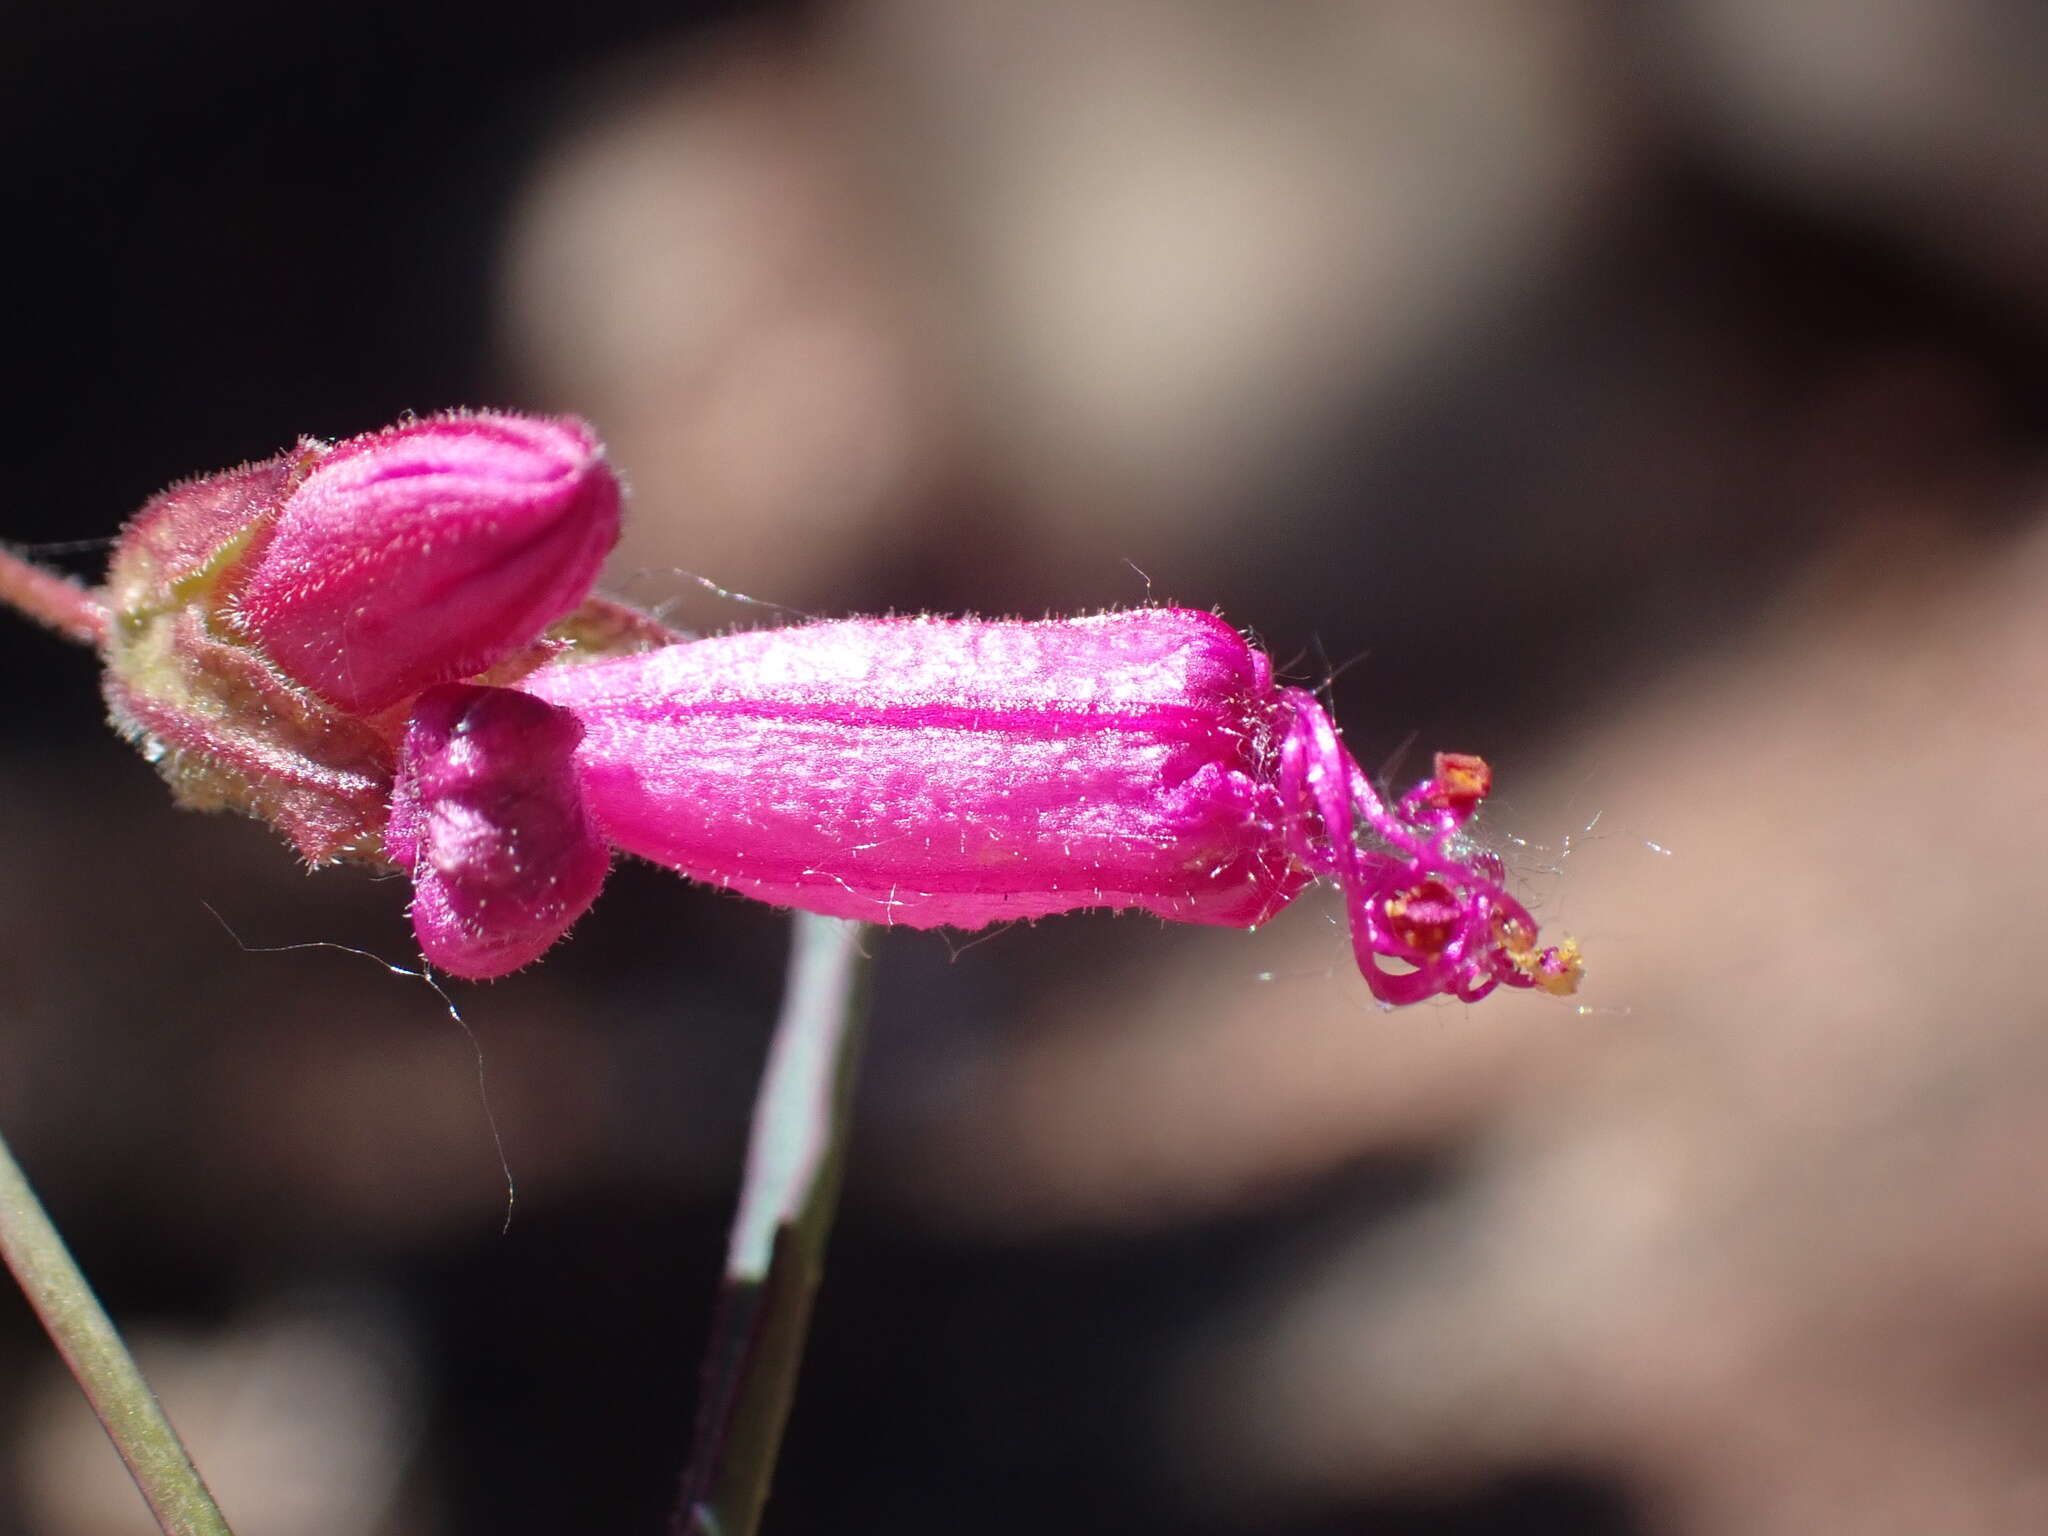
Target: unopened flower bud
{"x": 428, "y": 552}
{"x": 256, "y": 622}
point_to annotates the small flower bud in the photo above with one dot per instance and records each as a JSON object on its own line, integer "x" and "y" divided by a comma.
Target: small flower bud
{"x": 428, "y": 552}
{"x": 488, "y": 820}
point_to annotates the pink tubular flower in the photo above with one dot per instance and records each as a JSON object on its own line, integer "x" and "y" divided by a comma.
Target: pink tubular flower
{"x": 387, "y": 649}
{"x": 964, "y": 772}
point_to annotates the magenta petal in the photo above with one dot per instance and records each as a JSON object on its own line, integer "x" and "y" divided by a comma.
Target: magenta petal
{"x": 962, "y": 772}
{"x": 968, "y": 771}
{"x": 489, "y": 821}
{"x": 430, "y": 552}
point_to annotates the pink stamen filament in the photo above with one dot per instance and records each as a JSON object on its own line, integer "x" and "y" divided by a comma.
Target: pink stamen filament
{"x": 1413, "y": 862}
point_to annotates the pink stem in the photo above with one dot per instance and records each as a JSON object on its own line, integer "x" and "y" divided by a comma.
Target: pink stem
{"x": 56, "y": 601}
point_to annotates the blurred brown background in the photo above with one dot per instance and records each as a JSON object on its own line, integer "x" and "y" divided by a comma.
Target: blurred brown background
{"x": 1645, "y": 396}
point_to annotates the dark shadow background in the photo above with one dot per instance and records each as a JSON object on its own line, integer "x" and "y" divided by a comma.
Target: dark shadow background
{"x": 1528, "y": 367}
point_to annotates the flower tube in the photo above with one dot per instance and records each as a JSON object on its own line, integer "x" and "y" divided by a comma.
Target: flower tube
{"x": 964, "y": 772}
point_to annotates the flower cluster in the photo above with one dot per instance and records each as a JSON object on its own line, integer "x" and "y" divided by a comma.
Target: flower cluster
{"x": 387, "y": 648}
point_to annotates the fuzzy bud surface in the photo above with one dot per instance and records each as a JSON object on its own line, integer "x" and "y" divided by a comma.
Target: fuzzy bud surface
{"x": 270, "y": 630}
{"x": 429, "y": 552}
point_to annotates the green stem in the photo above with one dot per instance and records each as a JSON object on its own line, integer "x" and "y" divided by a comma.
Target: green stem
{"x": 57, "y": 601}
{"x": 795, "y": 1159}
{"x": 100, "y": 1363}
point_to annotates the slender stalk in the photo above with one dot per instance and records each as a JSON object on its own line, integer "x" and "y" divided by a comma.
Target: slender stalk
{"x": 795, "y": 1159}
{"x": 56, "y": 601}
{"x": 100, "y": 1362}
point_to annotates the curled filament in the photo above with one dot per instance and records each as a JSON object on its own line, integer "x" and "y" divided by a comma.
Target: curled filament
{"x": 1428, "y": 910}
